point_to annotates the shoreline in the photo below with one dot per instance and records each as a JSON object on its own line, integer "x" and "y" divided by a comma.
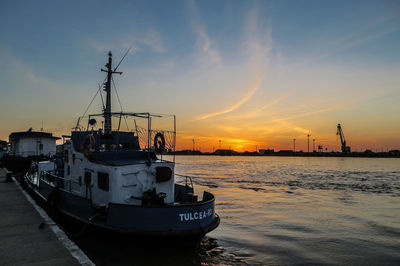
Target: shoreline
{"x": 294, "y": 154}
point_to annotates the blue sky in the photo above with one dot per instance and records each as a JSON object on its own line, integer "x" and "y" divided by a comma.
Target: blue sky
{"x": 247, "y": 72}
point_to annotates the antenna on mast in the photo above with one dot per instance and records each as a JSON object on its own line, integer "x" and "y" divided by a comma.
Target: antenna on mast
{"x": 107, "y": 89}
{"x": 115, "y": 69}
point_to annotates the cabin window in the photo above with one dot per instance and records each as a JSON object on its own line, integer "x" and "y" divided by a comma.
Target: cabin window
{"x": 163, "y": 174}
{"x": 88, "y": 178}
{"x": 103, "y": 181}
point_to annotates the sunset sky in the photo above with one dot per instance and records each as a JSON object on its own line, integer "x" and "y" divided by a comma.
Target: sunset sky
{"x": 248, "y": 73}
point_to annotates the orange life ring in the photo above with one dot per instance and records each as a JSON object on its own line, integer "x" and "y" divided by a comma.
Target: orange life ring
{"x": 159, "y": 143}
{"x": 88, "y": 145}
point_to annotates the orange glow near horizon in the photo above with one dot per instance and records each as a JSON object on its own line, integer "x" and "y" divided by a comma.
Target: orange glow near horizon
{"x": 249, "y": 140}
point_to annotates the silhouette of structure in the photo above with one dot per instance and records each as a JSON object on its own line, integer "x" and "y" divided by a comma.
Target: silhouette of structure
{"x": 339, "y": 132}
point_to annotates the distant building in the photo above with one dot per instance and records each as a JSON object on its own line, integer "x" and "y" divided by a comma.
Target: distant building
{"x": 265, "y": 151}
{"x": 31, "y": 143}
{"x": 187, "y": 152}
{"x": 285, "y": 152}
{"x": 225, "y": 152}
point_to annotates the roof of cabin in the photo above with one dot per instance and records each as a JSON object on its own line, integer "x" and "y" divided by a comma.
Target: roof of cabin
{"x": 119, "y": 158}
{"x": 126, "y": 139}
{"x": 31, "y": 134}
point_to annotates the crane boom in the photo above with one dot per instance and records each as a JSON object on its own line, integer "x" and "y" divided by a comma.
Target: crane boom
{"x": 342, "y": 139}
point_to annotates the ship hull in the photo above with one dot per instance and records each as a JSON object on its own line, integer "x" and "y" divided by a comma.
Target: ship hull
{"x": 187, "y": 221}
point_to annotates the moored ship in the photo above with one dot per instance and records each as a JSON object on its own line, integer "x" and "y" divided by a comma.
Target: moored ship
{"x": 28, "y": 146}
{"x": 120, "y": 180}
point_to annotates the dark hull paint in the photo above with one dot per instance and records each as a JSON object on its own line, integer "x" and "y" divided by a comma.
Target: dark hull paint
{"x": 182, "y": 221}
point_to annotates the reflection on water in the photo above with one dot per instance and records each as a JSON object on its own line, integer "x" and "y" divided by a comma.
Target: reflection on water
{"x": 283, "y": 210}
{"x": 109, "y": 249}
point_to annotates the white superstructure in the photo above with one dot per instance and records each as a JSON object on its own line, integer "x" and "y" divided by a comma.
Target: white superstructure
{"x": 31, "y": 143}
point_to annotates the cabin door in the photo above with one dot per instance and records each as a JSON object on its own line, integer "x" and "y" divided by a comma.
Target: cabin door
{"x": 76, "y": 185}
{"x": 101, "y": 190}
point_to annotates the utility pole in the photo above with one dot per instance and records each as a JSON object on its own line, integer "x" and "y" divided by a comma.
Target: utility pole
{"x": 308, "y": 142}
{"x": 294, "y": 145}
{"x": 313, "y": 145}
{"x": 219, "y": 144}
{"x": 193, "y": 144}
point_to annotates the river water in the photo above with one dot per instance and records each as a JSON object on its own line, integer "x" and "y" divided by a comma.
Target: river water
{"x": 283, "y": 211}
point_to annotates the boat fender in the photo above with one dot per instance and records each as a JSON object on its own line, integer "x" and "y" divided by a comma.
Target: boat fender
{"x": 52, "y": 201}
{"x": 88, "y": 145}
{"x": 163, "y": 174}
{"x": 159, "y": 142}
{"x": 92, "y": 142}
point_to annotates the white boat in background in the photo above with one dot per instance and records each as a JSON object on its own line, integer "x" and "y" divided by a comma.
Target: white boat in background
{"x": 27, "y": 146}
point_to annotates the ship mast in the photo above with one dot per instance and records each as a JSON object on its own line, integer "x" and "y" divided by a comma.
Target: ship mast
{"x": 107, "y": 89}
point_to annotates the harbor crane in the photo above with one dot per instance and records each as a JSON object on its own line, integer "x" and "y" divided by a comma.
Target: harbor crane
{"x": 342, "y": 139}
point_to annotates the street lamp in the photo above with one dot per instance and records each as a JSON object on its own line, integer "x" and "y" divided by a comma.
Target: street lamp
{"x": 294, "y": 145}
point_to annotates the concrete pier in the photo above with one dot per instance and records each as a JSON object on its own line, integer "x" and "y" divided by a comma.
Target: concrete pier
{"x": 27, "y": 237}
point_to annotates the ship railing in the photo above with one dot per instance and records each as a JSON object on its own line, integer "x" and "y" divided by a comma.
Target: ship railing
{"x": 48, "y": 177}
{"x": 31, "y": 176}
{"x": 62, "y": 183}
{"x": 144, "y": 126}
{"x": 187, "y": 180}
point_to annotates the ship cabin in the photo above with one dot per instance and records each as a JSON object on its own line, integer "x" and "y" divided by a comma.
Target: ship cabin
{"x": 32, "y": 144}
{"x": 113, "y": 168}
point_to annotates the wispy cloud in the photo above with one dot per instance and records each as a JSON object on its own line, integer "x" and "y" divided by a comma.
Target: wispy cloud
{"x": 151, "y": 39}
{"x": 230, "y": 129}
{"x": 258, "y": 43}
{"x": 259, "y": 111}
{"x": 22, "y": 76}
{"x": 235, "y": 106}
{"x": 305, "y": 114}
{"x": 371, "y": 30}
{"x": 21, "y": 82}
{"x": 360, "y": 40}
{"x": 206, "y": 53}
{"x": 301, "y": 130}
{"x": 204, "y": 43}
{"x": 355, "y": 36}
